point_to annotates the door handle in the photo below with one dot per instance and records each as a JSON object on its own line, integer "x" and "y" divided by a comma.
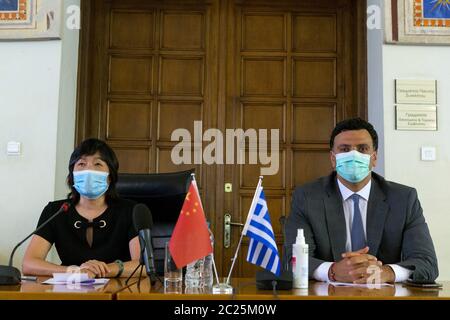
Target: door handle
{"x": 227, "y": 229}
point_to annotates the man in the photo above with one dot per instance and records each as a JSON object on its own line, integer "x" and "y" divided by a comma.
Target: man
{"x": 356, "y": 222}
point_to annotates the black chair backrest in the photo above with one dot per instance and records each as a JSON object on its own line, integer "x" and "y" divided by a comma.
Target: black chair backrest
{"x": 164, "y": 195}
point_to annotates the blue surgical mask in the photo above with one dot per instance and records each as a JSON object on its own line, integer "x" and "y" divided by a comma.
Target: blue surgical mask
{"x": 90, "y": 184}
{"x": 353, "y": 166}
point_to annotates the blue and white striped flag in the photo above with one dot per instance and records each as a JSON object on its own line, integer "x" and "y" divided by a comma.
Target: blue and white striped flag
{"x": 262, "y": 250}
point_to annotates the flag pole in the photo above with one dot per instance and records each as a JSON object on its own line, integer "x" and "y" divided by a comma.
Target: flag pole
{"x": 212, "y": 254}
{"x": 242, "y": 233}
{"x": 215, "y": 269}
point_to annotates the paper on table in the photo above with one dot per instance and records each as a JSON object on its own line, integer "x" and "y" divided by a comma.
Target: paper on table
{"x": 370, "y": 285}
{"x": 69, "y": 276}
{"x": 90, "y": 282}
{"x": 74, "y": 278}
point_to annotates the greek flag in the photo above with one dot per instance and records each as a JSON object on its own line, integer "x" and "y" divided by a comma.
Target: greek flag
{"x": 262, "y": 250}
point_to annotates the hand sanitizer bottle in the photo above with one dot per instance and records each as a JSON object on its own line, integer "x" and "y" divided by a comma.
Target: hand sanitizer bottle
{"x": 300, "y": 261}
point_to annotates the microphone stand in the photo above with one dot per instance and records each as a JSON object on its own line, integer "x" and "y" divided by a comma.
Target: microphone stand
{"x": 282, "y": 221}
{"x": 138, "y": 282}
{"x": 141, "y": 266}
{"x": 152, "y": 276}
{"x": 9, "y": 275}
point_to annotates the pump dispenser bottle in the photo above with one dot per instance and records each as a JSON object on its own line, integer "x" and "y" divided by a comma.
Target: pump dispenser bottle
{"x": 300, "y": 261}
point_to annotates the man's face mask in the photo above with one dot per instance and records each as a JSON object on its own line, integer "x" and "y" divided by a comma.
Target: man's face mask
{"x": 353, "y": 166}
{"x": 90, "y": 184}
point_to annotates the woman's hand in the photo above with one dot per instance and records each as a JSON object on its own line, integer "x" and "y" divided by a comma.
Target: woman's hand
{"x": 77, "y": 269}
{"x": 90, "y": 274}
{"x": 98, "y": 268}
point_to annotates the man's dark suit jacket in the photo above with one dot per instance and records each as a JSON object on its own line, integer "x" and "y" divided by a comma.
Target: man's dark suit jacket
{"x": 396, "y": 229}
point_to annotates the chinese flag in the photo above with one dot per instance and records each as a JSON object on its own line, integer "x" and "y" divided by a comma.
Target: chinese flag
{"x": 190, "y": 239}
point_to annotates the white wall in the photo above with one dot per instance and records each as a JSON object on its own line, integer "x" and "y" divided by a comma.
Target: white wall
{"x": 375, "y": 81}
{"x": 37, "y": 108}
{"x": 28, "y": 113}
{"x": 67, "y": 106}
{"x": 402, "y": 148}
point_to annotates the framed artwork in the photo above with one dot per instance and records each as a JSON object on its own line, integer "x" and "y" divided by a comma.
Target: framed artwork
{"x": 417, "y": 21}
{"x": 30, "y": 19}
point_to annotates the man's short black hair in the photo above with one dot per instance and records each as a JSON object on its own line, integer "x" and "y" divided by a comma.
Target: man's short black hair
{"x": 354, "y": 124}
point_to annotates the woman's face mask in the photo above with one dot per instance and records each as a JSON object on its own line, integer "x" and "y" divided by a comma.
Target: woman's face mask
{"x": 353, "y": 166}
{"x": 91, "y": 184}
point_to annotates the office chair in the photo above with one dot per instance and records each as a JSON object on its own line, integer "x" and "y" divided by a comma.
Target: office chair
{"x": 164, "y": 195}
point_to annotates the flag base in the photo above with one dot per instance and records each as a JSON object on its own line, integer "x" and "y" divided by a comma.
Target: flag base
{"x": 222, "y": 288}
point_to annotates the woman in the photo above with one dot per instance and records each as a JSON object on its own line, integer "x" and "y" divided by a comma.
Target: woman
{"x": 97, "y": 233}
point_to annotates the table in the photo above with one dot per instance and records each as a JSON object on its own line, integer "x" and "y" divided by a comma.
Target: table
{"x": 246, "y": 290}
{"x": 30, "y": 290}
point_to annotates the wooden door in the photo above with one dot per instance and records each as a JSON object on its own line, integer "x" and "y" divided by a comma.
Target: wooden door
{"x": 150, "y": 67}
{"x": 291, "y": 66}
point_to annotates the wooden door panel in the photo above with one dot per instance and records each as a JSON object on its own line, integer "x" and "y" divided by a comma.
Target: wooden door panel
{"x": 183, "y": 30}
{"x": 173, "y": 115}
{"x": 165, "y": 163}
{"x": 138, "y": 120}
{"x": 313, "y": 123}
{"x": 130, "y": 75}
{"x": 250, "y": 172}
{"x": 263, "y": 76}
{"x": 132, "y": 29}
{"x": 270, "y": 116}
{"x": 133, "y": 159}
{"x": 263, "y": 31}
{"x": 189, "y": 79}
{"x": 314, "y": 33}
{"x": 314, "y": 77}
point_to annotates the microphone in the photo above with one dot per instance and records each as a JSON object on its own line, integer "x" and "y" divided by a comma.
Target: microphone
{"x": 143, "y": 223}
{"x": 284, "y": 259}
{"x": 10, "y": 275}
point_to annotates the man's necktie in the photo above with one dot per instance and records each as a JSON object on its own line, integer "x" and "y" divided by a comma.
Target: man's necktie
{"x": 357, "y": 232}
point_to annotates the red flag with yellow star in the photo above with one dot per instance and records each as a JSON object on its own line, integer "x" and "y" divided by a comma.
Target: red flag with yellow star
{"x": 190, "y": 239}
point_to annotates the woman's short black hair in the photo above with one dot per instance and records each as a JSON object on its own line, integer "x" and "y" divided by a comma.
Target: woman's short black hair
{"x": 90, "y": 147}
{"x": 354, "y": 124}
